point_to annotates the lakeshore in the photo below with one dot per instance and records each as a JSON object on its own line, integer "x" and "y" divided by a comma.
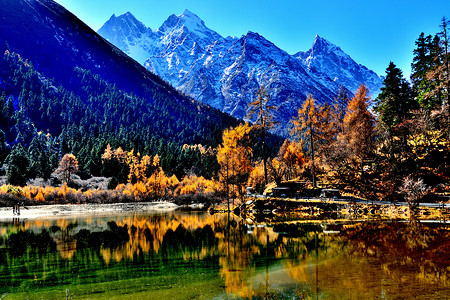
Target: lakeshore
{"x": 63, "y": 210}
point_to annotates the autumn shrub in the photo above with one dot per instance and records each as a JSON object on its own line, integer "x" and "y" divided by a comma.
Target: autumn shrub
{"x": 192, "y": 184}
{"x": 413, "y": 191}
{"x": 256, "y": 178}
{"x": 11, "y": 189}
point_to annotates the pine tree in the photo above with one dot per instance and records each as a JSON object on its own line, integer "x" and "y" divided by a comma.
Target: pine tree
{"x": 340, "y": 103}
{"x": 426, "y": 75}
{"x": 422, "y": 60}
{"x": 3, "y": 152}
{"x": 445, "y": 38}
{"x": 18, "y": 166}
{"x": 394, "y": 102}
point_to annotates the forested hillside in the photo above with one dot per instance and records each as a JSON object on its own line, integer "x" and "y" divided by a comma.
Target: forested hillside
{"x": 64, "y": 89}
{"x": 42, "y": 120}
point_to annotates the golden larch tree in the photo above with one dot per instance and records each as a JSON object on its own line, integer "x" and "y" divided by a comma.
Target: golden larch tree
{"x": 67, "y": 166}
{"x": 234, "y": 156}
{"x": 306, "y": 127}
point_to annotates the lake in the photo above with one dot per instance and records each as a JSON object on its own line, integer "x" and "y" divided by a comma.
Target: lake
{"x": 196, "y": 255}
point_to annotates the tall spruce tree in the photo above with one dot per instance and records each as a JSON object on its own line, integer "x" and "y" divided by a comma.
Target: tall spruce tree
{"x": 422, "y": 60}
{"x": 18, "y": 166}
{"x": 445, "y": 39}
{"x": 395, "y": 100}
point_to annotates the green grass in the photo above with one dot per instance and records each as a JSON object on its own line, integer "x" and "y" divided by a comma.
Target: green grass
{"x": 190, "y": 286}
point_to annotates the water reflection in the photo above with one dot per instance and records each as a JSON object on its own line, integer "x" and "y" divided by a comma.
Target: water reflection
{"x": 234, "y": 259}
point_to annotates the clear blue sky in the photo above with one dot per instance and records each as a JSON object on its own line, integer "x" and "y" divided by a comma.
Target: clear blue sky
{"x": 371, "y": 32}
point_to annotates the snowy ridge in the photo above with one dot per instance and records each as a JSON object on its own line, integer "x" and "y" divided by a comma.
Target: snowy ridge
{"x": 226, "y": 72}
{"x": 326, "y": 61}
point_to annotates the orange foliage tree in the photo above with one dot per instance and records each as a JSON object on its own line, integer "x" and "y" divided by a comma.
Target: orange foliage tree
{"x": 306, "y": 128}
{"x": 234, "y": 156}
{"x": 359, "y": 127}
{"x": 354, "y": 150}
{"x": 67, "y": 166}
{"x": 292, "y": 156}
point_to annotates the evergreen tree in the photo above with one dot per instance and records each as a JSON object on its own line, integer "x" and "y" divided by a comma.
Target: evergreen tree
{"x": 340, "y": 103}
{"x": 3, "y": 152}
{"x": 445, "y": 38}
{"x": 444, "y": 34}
{"x": 39, "y": 152}
{"x": 394, "y": 102}
{"x": 422, "y": 60}
{"x": 425, "y": 77}
{"x": 18, "y": 166}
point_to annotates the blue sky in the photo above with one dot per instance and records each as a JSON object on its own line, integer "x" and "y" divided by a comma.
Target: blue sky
{"x": 373, "y": 33}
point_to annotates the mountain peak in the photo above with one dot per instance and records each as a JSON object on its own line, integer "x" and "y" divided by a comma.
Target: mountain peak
{"x": 189, "y": 14}
{"x": 190, "y": 21}
{"x": 127, "y": 20}
{"x": 128, "y": 15}
{"x": 325, "y": 58}
{"x": 321, "y": 44}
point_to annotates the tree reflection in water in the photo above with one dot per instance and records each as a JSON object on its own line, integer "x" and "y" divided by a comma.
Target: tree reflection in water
{"x": 295, "y": 260}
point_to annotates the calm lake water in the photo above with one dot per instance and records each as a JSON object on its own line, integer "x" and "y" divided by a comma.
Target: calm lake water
{"x": 180, "y": 255}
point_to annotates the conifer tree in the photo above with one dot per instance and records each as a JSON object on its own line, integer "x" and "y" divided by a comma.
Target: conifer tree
{"x": 395, "y": 101}
{"x": 264, "y": 115}
{"x": 445, "y": 38}
{"x": 444, "y": 34}
{"x": 340, "y": 103}
{"x": 425, "y": 77}
{"x": 422, "y": 60}
{"x": 18, "y": 166}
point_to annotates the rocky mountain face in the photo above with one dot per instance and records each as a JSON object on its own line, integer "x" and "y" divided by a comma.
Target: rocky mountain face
{"x": 58, "y": 45}
{"x": 325, "y": 62}
{"x": 227, "y": 72}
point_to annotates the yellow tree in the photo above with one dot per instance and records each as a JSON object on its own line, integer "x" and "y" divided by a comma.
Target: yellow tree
{"x": 158, "y": 180}
{"x": 306, "y": 127}
{"x": 291, "y": 153}
{"x": 326, "y": 130}
{"x": 359, "y": 125}
{"x": 256, "y": 178}
{"x": 67, "y": 166}
{"x": 357, "y": 142}
{"x": 234, "y": 156}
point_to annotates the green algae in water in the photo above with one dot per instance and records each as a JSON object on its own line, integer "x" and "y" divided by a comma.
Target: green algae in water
{"x": 199, "y": 256}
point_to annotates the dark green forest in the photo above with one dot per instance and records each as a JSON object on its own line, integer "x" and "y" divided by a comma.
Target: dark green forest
{"x": 40, "y": 121}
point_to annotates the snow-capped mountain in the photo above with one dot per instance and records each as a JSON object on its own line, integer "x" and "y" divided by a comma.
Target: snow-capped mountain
{"x": 226, "y": 72}
{"x": 129, "y": 35}
{"x": 326, "y": 61}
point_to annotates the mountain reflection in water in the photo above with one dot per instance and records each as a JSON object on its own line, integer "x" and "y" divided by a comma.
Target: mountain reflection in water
{"x": 198, "y": 255}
